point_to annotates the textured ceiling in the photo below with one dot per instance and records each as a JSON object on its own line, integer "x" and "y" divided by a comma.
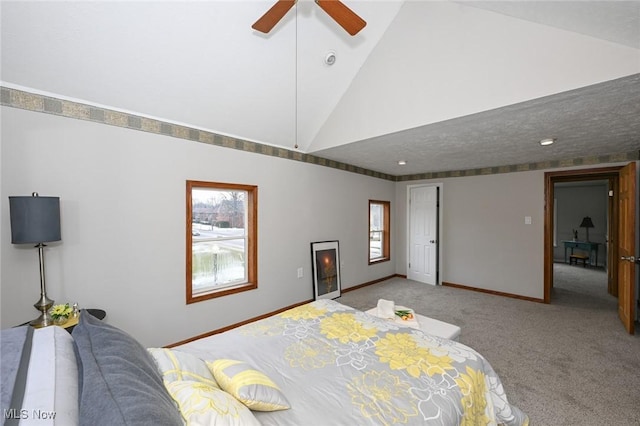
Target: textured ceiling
{"x": 593, "y": 121}
{"x": 444, "y": 85}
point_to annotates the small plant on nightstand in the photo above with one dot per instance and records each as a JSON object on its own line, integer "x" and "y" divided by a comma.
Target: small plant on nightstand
{"x": 60, "y": 313}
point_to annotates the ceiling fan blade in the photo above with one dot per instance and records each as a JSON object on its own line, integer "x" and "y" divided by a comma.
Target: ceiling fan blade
{"x": 273, "y": 16}
{"x": 344, "y": 16}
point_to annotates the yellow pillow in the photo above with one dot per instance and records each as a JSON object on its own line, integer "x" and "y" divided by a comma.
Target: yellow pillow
{"x": 251, "y": 387}
{"x": 201, "y": 404}
{"x": 177, "y": 365}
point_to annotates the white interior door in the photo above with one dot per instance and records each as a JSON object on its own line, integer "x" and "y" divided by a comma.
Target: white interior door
{"x": 423, "y": 234}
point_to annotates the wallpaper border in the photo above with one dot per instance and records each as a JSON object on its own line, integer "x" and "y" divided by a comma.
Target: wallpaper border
{"x": 543, "y": 165}
{"x": 50, "y": 105}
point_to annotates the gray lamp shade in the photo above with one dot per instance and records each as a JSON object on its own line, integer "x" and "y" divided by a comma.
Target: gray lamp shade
{"x": 34, "y": 219}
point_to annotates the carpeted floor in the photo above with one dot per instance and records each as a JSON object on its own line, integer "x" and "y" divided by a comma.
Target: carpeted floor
{"x": 567, "y": 363}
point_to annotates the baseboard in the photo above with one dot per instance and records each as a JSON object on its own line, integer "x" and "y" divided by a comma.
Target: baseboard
{"x": 238, "y": 324}
{"x": 250, "y": 320}
{"x": 495, "y": 293}
{"x": 356, "y": 287}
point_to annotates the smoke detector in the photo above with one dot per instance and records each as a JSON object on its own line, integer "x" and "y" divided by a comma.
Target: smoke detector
{"x": 330, "y": 59}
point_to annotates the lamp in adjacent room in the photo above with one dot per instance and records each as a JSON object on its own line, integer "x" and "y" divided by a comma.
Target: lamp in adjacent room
{"x": 36, "y": 220}
{"x": 586, "y": 223}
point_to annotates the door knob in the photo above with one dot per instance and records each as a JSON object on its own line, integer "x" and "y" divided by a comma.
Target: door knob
{"x": 432, "y": 241}
{"x": 629, "y": 258}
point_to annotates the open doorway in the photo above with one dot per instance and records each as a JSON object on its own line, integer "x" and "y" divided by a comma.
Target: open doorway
{"x": 581, "y": 244}
{"x": 581, "y": 202}
{"x": 622, "y": 280}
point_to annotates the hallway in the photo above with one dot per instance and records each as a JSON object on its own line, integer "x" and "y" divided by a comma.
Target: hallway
{"x": 580, "y": 287}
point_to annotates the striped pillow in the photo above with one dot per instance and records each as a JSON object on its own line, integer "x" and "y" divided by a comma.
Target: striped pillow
{"x": 251, "y": 387}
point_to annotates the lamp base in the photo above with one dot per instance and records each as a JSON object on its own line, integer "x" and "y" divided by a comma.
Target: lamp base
{"x": 44, "y": 320}
{"x": 43, "y": 305}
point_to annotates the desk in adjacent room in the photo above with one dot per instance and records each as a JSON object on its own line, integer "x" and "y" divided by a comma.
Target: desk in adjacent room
{"x": 582, "y": 245}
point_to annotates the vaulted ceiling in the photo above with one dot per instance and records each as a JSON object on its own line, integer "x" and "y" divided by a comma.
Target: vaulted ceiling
{"x": 444, "y": 85}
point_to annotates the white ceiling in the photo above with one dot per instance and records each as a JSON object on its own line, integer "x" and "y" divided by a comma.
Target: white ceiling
{"x": 444, "y": 85}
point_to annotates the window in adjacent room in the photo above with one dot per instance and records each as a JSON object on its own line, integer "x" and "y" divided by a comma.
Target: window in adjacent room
{"x": 221, "y": 239}
{"x": 379, "y": 231}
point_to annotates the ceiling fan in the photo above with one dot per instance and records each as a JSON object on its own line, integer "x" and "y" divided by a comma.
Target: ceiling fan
{"x": 340, "y": 13}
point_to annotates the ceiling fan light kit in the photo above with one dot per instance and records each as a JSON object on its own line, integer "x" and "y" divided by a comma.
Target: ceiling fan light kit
{"x": 337, "y": 10}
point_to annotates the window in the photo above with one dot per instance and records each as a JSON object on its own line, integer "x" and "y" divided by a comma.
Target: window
{"x": 222, "y": 239}
{"x": 379, "y": 231}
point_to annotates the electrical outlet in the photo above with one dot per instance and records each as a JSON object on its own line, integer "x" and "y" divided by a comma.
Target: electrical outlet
{"x": 300, "y": 272}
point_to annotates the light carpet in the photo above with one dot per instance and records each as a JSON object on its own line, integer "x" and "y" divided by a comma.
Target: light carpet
{"x": 570, "y": 362}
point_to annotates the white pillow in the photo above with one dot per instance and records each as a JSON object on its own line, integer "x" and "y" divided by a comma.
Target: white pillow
{"x": 51, "y": 390}
{"x": 386, "y": 309}
{"x": 177, "y": 365}
{"x": 201, "y": 404}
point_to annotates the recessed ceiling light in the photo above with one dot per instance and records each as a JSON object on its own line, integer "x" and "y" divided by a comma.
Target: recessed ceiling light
{"x": 548, "y": 141}
{"x": 402, "y": 163}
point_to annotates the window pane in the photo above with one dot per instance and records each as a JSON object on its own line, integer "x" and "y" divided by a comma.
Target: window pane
{"x": 218, "y": 264}
{"x": 376, "y": 219}
{"x": 379, "y": 231}
{"x": 223, "y": 210}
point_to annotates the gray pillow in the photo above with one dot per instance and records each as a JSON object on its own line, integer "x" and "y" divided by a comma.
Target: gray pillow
{"x": 15, "y": 345}
{"x": 119, "y": 382}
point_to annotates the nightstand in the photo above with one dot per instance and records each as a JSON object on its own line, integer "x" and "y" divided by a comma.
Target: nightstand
{"x": 69, "y": 325}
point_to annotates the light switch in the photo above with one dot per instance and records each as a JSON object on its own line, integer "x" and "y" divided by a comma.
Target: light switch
{"x": 527, "y": 220}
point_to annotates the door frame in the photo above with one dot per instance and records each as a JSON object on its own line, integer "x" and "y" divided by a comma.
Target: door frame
{"x": 550, "y": 178}
{"x": 439, "y": 262}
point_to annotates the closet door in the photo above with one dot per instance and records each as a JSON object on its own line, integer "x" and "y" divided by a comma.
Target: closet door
{"x": 423, "y": 234}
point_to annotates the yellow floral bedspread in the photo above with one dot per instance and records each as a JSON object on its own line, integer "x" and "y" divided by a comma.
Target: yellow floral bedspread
{"x": 340, "y": 366}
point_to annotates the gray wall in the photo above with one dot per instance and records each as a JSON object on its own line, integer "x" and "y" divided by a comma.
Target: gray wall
{"x": 123, "y": 214}
{"x": 485, "y": 242}
{"x": 575, "y": 201}
{"x": 122, "y": 195}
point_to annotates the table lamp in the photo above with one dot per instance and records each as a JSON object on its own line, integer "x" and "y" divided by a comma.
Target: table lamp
{"x": 36, "y": 220}
{"x": 587, "y": 223}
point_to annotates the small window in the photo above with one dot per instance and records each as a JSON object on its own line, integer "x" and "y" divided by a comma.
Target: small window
{"x": 379, "y": 231}
{"x": 221, "y": 239}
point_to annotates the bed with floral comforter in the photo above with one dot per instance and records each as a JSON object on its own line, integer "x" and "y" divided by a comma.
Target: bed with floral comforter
{"x": 340, "y": 366}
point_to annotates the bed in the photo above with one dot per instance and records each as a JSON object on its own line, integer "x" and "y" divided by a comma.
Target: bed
{"x": 321, "y": 363}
